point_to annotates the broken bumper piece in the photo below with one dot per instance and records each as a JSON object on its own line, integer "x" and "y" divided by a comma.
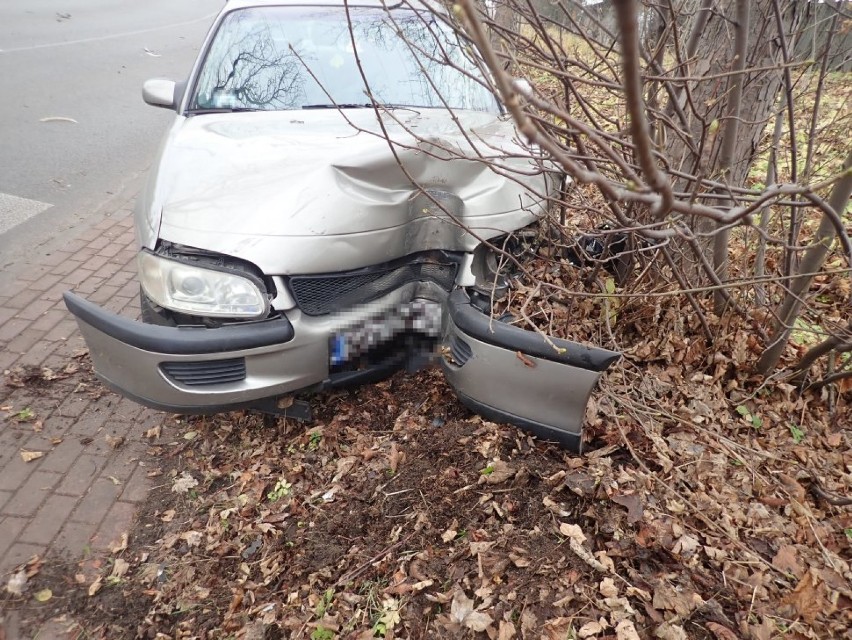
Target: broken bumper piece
{"x": 508, "y": 374}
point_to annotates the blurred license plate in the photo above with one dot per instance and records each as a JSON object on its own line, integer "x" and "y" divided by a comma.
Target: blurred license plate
{"x": 418, "y": 316}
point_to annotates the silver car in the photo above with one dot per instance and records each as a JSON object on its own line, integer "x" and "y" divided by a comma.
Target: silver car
{"x": 318, "y": 217}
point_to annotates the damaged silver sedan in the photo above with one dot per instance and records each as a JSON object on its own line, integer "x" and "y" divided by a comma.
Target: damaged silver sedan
{"x": 322, "y": 213}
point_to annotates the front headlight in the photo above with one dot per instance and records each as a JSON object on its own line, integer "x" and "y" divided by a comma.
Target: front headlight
{"x": 197, "y": 291}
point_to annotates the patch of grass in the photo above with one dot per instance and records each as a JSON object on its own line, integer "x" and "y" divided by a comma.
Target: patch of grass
{"x": 797, "y": 433}
{"x": 25, "y": 414}
{"x": 324, "y": 603}
{"x": 388, "y": 617}
{"x": 755, "y": 420}
{"x": 315, "y": 440}
{"x": 321, "y": 633}
{"x": 282, "y": 489}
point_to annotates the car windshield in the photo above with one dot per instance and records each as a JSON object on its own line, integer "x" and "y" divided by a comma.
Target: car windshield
{"x": 273, "y": 58}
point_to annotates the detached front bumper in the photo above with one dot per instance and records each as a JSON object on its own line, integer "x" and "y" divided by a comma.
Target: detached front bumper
{"x": 509, "y": 374}
{"x": 505, "y": 373}
{"x": 200, "y": 370}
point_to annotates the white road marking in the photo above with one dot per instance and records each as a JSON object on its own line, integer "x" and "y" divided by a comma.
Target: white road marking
{"x": 112, "y": 36}
{"x": 15, "y": 210}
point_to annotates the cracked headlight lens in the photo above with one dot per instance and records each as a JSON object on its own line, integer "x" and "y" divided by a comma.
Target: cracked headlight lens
{"x": 199, "y": 291}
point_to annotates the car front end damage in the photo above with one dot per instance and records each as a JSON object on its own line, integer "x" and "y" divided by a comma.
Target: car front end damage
{"x": 344, "y": 329}
{"x": 339, "y": 329}
{"x": 316, "y": 219}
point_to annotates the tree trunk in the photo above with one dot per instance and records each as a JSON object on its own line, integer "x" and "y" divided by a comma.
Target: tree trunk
{"x": 707, "y": 105}
{"x": 812, "y": 262}
{"x": 505, "y": 20}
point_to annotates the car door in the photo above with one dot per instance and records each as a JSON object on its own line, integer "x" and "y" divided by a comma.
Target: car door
{"x": 508, "y": 374}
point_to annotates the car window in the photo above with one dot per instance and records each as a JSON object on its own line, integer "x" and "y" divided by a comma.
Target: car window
{"x": 273, "y": 58}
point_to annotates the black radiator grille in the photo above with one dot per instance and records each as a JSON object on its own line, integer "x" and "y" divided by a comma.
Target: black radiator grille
{"x": 321, "y": 294}
{"x": 206, "y": 372}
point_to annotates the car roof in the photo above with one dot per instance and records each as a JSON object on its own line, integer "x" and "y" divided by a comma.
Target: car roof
{"x": 413, "y": 4}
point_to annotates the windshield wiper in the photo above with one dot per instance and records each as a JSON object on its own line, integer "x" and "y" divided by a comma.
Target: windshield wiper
{"x": 368, "y": 105}
{"x": 338, "y": 106}
{"x": 201, "y": 110}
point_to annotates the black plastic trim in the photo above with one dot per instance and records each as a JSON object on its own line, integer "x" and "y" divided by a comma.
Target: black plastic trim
{"x": 460, "y": 351}
{"x": 180, "y": 340}
{"x": 571, "y": 441}
{"x": 478, "y": 325}
{"x": 374, "y": 373}
{"x": 205, "y": 372}
{"x": 295, "y": 283}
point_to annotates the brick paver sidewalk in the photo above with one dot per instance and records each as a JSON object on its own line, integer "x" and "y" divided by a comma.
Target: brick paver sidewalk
{"x": 81, "y": 494}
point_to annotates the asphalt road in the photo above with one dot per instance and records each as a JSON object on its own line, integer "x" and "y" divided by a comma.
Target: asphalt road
{"x": 74, "y": 132}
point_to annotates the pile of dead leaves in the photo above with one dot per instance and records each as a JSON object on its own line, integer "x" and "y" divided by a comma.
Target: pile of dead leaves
{"x": 396, "y": 514}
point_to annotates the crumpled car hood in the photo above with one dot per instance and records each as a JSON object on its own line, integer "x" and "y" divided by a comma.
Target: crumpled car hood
{"x": 307, "y": 192}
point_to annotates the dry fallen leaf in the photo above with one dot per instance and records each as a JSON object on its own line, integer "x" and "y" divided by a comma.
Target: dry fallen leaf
{"x": 590, "y": 629}
{"x": 607, "y": 588}
{"x": 192, "y": 538}
{"x": 686, "y": 546}
{"x": 498, "y": 471}
{"x": 670, "y": 631}
{"x": 721, "y": 631}
{"x": 808, "y": 598}
{"x": 43, "y": 596}
{"x": 576, "y": 538}
{"x": 787, "y": 561}
{"x": 95, "y": 586}
{"x": 154, "y": 432}
{"x": 558, "y": 628}
{"x": 29, "y": 456}
{"x": 462, "y": 611}
{"x": 17, "y": 583}
{"x": 572, "y": 532}
{"x": 451, "y": 532}
{"x": 395, "y": 458}
{"x": 184, "y": 483}
{"x": 625, "y": 630}
{"x": 506, "y": 631}
{"x": 114, "y": 441}
{"x": 121, "y": 544}
{"x": 119, "y": 568}
{"x": 423, "y": 584}
{"x": 633, "y": 503}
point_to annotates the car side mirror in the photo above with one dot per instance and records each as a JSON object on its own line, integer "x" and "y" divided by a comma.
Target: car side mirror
{"x": 160, "y": 92}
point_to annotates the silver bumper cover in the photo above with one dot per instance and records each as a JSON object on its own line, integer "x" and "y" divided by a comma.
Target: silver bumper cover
{"x": 149, "y": 363}
{"x": 508, "y": 374}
